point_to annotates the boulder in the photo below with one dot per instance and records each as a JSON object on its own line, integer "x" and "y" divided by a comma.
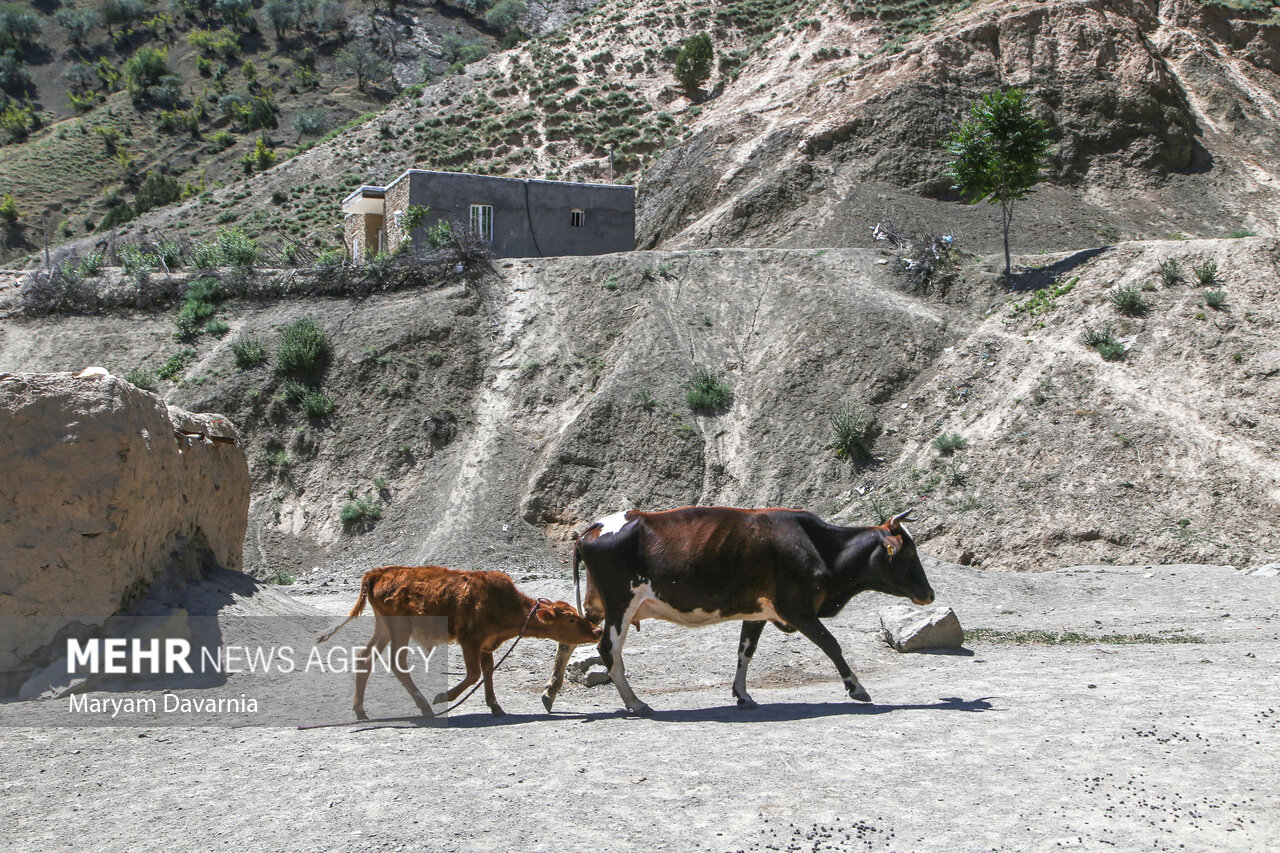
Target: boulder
{"x": 910, "y": 628}
{"x": 586, "y": 667}
{"x": 102, "y": 488}
{"x": 1270, "y": 570}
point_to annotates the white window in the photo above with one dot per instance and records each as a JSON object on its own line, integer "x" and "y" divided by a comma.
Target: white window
{"x": 577, "y": 218}
{"x": 482, "y": 221}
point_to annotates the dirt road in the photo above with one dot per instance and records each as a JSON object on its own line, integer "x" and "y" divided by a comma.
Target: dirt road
{"x": 1148, "y": 745}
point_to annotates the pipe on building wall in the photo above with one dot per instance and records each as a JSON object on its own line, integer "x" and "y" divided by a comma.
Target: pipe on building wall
{"x": 528, "y": 215}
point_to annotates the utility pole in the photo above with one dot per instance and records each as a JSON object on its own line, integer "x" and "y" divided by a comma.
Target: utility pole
{"x": 44, "y": 230}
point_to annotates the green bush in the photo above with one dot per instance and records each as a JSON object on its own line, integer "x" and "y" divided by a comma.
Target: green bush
{"x": 1170, "y": 272}
{"x": 311, "y": 401}
{"x": 231, "y": 247}
{"x": 205, "y": 256}
{"x": 176, "y": 363}
{"x": 139, "y": 378}
{"x": 440, "y": 234}
{"x": 1215, "y": 299}
{"x": 9, "y": 208}
{"x": 203, "y": 289}
{"x": 221, "y": 140}
{"x": 17, "y": 120}
{"x": 248, "y": 352}
{"x": 707, "y": 393}
{"x": 145, "y": 71}
{"x": 91, "y": 264}
{"x": 1104, "y": 341}
{"x": 136, "y": 260}
{"x": 217, "y": 327}
{"x": 949, "y": 442}
{"x": 197, "y": 310}
{"x": 853, "y": 432}
{"x": 1127, "y": 300}
{"x": 1206, "y": 272}
{"x": 360, "y": 513}
{"x": 303, "y": 349}
{"x": 156, "y": 191}
{"x": 236, "y": 248}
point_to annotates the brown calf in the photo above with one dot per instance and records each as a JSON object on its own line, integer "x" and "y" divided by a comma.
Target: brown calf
{"x": 433, "y": 606}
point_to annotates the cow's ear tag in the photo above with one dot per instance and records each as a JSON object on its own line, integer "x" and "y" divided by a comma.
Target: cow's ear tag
{"x": 892, "y": 544}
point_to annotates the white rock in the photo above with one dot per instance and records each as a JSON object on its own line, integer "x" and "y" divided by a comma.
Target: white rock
{"x": 910, "y": 628}
{"x": 1270, "y": 570}
{"x": 586, "y": 667}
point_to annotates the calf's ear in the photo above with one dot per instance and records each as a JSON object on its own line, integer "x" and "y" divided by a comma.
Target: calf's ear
{"x": 892, "y": 545}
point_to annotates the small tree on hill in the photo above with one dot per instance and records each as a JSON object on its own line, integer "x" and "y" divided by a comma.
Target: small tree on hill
{"x": 506, "y": 15}
{"x": 360, "y": 59}
{"x": 997, "y": 154}
{"x": 693, "y": 63}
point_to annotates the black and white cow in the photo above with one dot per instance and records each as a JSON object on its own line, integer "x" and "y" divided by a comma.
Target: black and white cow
{"x": 701, "y": 565}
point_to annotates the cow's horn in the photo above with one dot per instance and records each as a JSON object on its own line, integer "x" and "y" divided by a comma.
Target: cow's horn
{"x": 900, "y": 517}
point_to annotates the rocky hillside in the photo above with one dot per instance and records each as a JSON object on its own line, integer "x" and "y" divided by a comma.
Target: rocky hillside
{"x": 480, "y": 417}
{"x": 821, "y": 118}
{"x": 113, "y": 108}
{"x": 1164, "y": 115}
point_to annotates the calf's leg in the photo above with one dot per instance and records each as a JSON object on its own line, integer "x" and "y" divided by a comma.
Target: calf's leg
{"x": 486, "y": 665}
{"x": 400, "y": 662}
{"x": 563, "y": 651}
{"x": 362, "y": 665}
{"x": 746, "y": 648}
{"x": 471, "y": 658}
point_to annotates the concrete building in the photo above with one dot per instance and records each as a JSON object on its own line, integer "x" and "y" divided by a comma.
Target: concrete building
{"x": 518, "y": 218}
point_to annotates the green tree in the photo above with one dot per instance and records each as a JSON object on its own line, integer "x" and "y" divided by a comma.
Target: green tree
{"x": 693, "y": 63}
{"x": 263, "y": 157}
{"x": 312, "y": 122}
{"x": 156, "y": 191}
{"x": 78, "y": 23}
{"x": 9, "y": 208}
{"x": 360, "y": 59}
{"x": 506, "y": 15}
{"x": 20, "y": 23}
{"x": 997, "y": 154}
{"x": 121, "y": 13}
{"x": 145, "y": 70}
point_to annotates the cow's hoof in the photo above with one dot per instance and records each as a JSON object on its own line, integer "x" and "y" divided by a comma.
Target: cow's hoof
{"x": 440, "y": 699}
{"x": 547, "y": 701}
{"x": 746, "y": 703}
{"x": 361, "y": 715}
{"x": 860, "y": 694}
{"x": 426, "y": 711}
{"x": 641, "y": 710}
{"x": 497, "y": 712}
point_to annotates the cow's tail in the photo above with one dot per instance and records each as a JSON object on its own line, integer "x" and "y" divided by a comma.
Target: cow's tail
{"x": 577, "y": 590}
{"x": 365, "y": 584}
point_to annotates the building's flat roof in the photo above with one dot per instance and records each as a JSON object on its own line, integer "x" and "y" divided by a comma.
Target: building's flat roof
{"x": 408, "y": 172}
{"x": 366, "y": 192}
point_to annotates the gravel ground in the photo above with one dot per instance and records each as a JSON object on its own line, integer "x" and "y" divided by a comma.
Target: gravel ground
{"x": 1007, "y": 745}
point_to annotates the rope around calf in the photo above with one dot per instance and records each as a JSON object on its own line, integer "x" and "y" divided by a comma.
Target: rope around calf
{"x": 473, "y": 689}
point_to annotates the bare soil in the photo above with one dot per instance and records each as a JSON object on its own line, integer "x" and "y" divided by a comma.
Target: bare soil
{"x": 503, "y": 415}
{"x": 1002, "y": 746}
